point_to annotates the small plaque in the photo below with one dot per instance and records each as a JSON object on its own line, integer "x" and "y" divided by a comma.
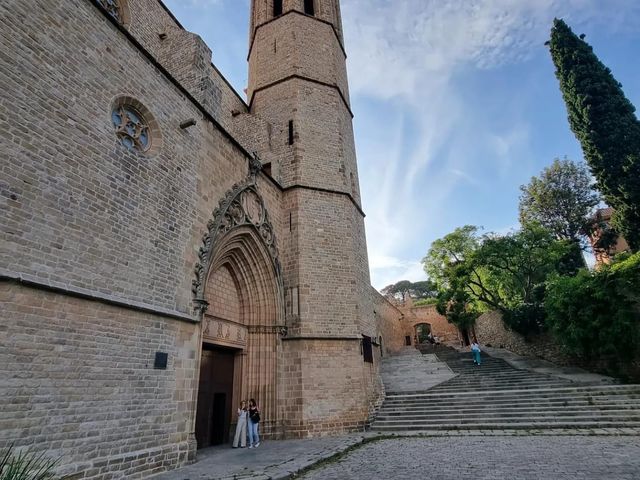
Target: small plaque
{"x": 161, "y": 360}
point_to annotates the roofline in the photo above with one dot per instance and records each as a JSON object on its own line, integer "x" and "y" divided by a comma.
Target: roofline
{"x": 387, "y": 300}
{"x": 204, "y": 111}
{"x": 177, "y": 22}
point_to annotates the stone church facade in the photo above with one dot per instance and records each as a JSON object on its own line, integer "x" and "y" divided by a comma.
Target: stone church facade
{"x": 168, "y": 248}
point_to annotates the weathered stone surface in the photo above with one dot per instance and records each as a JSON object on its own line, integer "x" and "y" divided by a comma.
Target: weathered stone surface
{"x": 410, "y": 371}
{"x": 490, "y": 330}
{"x": 99, "y": 244}
{"x": 491, "y": 457}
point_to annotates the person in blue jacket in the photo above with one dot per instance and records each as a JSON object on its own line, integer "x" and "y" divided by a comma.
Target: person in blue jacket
{"x": 475, "y": 351}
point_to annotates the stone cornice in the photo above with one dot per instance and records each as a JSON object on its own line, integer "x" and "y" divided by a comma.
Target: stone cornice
{"x": 325, "y": 190}
{"x": 321, "y": 337}
{"x": 305, "y": 79}
{"x": 87, "y": 294}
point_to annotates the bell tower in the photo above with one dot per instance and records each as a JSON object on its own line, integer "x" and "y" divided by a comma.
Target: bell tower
{"x": 298, "y": 84}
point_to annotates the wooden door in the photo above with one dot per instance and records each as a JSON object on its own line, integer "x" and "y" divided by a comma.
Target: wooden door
{"x": 214, "y": 410}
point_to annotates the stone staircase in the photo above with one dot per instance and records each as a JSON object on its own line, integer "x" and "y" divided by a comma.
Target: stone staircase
{"x": 497, "y": 396}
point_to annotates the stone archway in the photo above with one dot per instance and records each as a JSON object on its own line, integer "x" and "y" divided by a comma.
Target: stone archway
{"x": 421, "y": 331}
{"x": 239, "y": 296}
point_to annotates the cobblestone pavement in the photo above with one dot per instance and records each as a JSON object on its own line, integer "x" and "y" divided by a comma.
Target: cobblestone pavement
{"x": 495, "y": 458}
{"x": 272, "y": 460}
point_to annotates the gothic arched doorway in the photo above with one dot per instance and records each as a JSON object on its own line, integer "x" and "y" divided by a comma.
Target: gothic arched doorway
{"x": 240, "y": 286}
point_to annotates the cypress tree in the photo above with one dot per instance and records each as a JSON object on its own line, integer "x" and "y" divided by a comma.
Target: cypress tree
{"x": 604, "y": 122}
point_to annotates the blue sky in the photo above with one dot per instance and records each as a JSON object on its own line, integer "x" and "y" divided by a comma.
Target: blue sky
{"x": 456, "y": 105}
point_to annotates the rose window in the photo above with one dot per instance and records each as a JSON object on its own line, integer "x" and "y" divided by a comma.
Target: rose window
{"x": 112, "y": 7}
{"x": 131, "y": 128}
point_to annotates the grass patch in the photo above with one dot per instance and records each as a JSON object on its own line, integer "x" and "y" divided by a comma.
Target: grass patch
{"x": 26, "y": 465}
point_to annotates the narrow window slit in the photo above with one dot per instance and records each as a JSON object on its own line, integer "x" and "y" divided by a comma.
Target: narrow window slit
{"x": 277, "y": 8}
{"x": 290, "y": 132}
{"x": 309, "y": 7}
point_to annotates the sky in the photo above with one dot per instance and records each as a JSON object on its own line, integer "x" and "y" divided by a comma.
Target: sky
{"x": 456, "y": 105}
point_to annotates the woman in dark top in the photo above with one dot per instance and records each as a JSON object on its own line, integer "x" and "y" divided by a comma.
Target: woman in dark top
{"x": 254, "y": 419}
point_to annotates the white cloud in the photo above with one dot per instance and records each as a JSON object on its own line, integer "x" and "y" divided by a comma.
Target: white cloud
{"x": 409, "y": 55}
{"x": 396, "y": 47}
{"x": 391, "y": 270}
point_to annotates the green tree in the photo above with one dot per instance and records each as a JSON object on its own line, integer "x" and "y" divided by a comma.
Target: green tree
{"x": 416, "y": 290}
{"x": 457, "y": 306}
{"x": 423, "y": 290}
{"x": 447, "y": 263}
{"x": 450, "y": 253}
{"x": 604, "y": 122}
{"x": 561, "y": 199}
{"x": 398, "y": 290}
{"x": 596, "y": 315}
{"x": 516, "y": 267}
{"x": 505, "y": 273}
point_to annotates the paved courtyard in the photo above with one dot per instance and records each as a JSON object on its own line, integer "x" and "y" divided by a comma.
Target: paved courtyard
{"x": 272, "y": 460}
{"x": 495, "y": 458}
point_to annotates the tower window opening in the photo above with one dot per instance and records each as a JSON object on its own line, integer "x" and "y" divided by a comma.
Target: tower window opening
{"x": 290, "y": 132}
{"x": 309, "y": 8}
{"x": 277, "y": 8}
{"x": 367, "y": 349}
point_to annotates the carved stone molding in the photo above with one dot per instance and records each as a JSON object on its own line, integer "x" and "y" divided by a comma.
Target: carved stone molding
{"x": 224, "y": 332}
{"x": 242, "y": 206}
{"x": 268, "y": 329}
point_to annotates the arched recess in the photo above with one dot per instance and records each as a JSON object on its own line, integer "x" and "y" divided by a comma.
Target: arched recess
{"x": 238, "y": 294}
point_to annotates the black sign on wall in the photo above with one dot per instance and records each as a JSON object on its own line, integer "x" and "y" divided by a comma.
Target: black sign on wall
{"x": 161, "y": 360}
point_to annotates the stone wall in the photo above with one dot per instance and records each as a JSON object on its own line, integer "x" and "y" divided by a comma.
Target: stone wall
{"x": 82, "y": 216}
{"x": 223, "y": 296}
{"x": 490, "y": 330}
{"x": 440, "y": 327}
{"x": 81, "y": 209}
{"x": 77, "y": 379}
{"x": 320, "y": 401}
{"x": 98, "y": 243}
{"x": 186, "y": 57}
{"x": 390, "y": 323}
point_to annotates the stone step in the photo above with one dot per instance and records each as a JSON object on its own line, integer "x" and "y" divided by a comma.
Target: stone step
{"x": 506, "y": 417}
{"x": 469, "y": 382}
{"x": 562, "y": 425}
{"x": 560, "y": 401}
{"x": 624, "y": 413}
{"x": 465, "y": 422}
{"x": 594, "y": 390}
{"x": 496, "y": 395}
{"x": 497, "y": 386}
{"x": 593, "y": 400}
{"x": 443, "y": 409}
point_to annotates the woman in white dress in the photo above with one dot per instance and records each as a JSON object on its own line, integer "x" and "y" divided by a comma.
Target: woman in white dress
{"x": 240, "y": 439}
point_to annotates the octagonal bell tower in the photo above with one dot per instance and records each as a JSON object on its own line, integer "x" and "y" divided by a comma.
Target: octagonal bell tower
{"x": 298, "y": 84}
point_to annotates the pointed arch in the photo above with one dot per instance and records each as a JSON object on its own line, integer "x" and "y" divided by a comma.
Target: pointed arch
{"x": 240, "y": 229}
{"x": 238, "y": 293}
{"x": 243, "y": 253}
